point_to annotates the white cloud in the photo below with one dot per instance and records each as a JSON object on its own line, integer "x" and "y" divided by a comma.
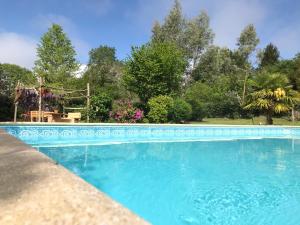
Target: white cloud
{"x": 17, "y": 49}
{"x": 82, "y": 69}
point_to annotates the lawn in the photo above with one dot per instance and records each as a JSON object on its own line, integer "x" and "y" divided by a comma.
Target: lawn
{"x": 255, "y": 121}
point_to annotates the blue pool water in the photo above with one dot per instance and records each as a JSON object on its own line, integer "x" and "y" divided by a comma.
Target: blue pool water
{"x": 217, "y": 182}
{"x": 207, "y": 176}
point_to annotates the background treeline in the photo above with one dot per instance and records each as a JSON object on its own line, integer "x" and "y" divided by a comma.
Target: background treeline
{"x": 178, "y": 76}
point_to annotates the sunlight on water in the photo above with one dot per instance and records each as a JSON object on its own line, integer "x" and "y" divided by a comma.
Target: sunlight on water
{"x": 218, "y": 183}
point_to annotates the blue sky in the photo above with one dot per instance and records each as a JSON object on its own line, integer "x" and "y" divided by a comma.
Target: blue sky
{"x": 122, "y": 24}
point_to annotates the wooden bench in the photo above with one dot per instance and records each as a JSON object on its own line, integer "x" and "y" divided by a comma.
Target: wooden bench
{"x": 72, "y": 117}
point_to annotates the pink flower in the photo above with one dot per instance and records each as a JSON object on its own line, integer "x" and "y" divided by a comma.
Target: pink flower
{"x": 138, "y": 114}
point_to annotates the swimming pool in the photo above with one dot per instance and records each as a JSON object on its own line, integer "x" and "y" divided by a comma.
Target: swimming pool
{"x": 184, "y": 174}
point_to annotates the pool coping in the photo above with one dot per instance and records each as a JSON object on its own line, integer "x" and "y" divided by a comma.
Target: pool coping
{"x": 35, "y": 190}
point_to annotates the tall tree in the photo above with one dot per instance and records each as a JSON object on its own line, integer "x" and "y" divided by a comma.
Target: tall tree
{"x": 104, "y": 70}
{"x": 247, "y": 43}
{"x": 212, "y": 64}
{"x": 56, "y": 61}
{"x": 155, "y": 69}
{"x": 172, "y": 28}
{"x": 197, "y": 36}
{"x": 270, "y": 56}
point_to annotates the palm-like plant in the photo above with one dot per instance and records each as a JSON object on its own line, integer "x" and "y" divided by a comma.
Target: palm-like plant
{"x": 271, "y": 95}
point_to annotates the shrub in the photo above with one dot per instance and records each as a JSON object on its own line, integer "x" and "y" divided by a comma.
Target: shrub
{"x": 181, "y": 111}
{"x": 145, "y": 120}
{"x": 198, "y": 96}
{"x": 101, "y": 105}
{"x": 154, "y": 69}
{"x": 160, "y": 108}
{"x": 125, "y": 112}
{"x": 6, "y": 109}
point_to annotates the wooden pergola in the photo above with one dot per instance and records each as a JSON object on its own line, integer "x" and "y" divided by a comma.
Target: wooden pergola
{"x": 85, "y": 93}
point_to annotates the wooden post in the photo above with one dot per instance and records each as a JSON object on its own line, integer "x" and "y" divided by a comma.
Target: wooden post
{"x": 293, "y": 114}
{"x": 16, "y": 110}
{"x": 16, "y": 101}
{"x": 88, "y": 102}
{"x": 244, "y": 89}
{"x": 40, "y": 99}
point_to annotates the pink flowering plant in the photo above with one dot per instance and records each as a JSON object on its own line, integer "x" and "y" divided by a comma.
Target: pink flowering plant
{"x": 124, "y": 112}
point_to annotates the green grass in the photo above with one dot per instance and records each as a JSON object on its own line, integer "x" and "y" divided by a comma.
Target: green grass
{"x": 256, "y": 121}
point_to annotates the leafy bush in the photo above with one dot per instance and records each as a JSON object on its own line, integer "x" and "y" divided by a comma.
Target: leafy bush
{"x": 154, "y": 69}
{"x": 181, "y": 111}
{"x": 160, "y": 108}
{"x": 6, "y": 109}
{"x": 199, "y": 96}
{"x": 213, "y": 101}
{"x": 101, "y": 105}
{"x": 145, "y": 120}
{"x": 125, "y": 112}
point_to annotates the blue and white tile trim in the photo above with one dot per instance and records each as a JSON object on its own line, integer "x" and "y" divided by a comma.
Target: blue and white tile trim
{"x": 76, "y": 134}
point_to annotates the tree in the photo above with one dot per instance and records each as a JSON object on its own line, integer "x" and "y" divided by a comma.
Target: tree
{"x": 154, "y": 69}
{"x": 247, "y": 43}
{"x": 10, "y": 74}
{"x": 56, "y": 61}
{"x": 199, "y": 97}
{"x": 270, "y": 56}
{"x": 172, "y": 28}
{"x": 104, "y": 70}
{"x": 271, "y": 95}
{"x": 212, "y": 64}
{"x": 197, "y": 36}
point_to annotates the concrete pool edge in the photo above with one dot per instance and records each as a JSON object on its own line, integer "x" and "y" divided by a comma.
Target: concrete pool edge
{"x": 34, "y": 190}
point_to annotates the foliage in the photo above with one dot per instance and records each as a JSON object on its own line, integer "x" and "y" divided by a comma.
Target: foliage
{"x": 56, "y": 61}
{"x": 10, "y": 74}
{"x": 181, "y": 111}
{"x": 270, "y": 56}
{"x": 6, "y": 109}
{"x": 247, "y": 42}
{"x": 125, "y": 112}
{"x": 192, "y": 36}
{"x": 104, "y": 71}
{"x": 160, "y": 109}
{"x": 271, "y": 96}
{"x": 154, "y": 69}
{"x": 213, "y": 63}
{"x": 213, "y": 101}
{"x": 101, "y": 105}
{"x": 172, "y": 28}
{"x": 197, "y": 36}
{"x": 198, "y": 96}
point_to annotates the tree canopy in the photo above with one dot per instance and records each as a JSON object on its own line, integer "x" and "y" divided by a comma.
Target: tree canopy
{"x": 154, "y": 69}
{"x": 56, "y": 61}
